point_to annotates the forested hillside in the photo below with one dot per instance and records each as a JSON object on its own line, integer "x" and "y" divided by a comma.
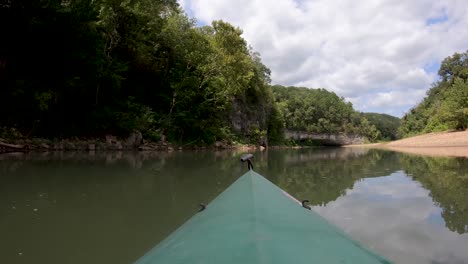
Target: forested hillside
{"x": 446, "y": 104}
{"x": 320, "y": 111}
{"x": 85, "y": 68}
{"x": 387, "y": 125}
{"x": 93, "y": 67}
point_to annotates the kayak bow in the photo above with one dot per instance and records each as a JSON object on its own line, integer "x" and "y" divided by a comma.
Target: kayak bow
{"x": 254, "y": 221}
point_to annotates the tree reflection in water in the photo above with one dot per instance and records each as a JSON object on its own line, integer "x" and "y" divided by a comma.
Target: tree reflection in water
{"x": 447, "y": 181}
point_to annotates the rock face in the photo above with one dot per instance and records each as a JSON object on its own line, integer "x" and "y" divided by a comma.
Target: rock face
{"x": 246, "y": 120}
{"x": 326, "y": 139}
{"x": 135, "y": 139}
{"x": 243, "y": 120}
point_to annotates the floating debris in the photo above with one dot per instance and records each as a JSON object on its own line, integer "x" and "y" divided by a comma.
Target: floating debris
{"x": 35, "y": 209}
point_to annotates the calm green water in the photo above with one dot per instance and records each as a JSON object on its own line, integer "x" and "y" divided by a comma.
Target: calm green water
{"x": 113, "y": 207}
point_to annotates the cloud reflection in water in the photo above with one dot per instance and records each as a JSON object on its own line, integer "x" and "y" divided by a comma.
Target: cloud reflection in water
{"x": 396, "y": 217}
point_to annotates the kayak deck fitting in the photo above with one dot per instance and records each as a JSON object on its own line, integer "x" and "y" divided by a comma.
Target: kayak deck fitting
{"x": 254, "y": 221}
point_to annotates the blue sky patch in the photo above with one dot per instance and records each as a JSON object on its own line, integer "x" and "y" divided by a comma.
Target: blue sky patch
{"x": 437, "y": 20}
{"x": 432, "y": 67}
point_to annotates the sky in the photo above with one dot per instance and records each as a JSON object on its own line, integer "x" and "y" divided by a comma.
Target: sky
{"x": 381, "y": 55}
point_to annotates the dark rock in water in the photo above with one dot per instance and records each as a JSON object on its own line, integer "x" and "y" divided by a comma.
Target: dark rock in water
{"x": 111, "y": 139}
{"x": 69, "y": 146}
{"x": 44, "y": 146}
{"x": 118, "y": 145}
{"x": 146, "y": 148}
{"x": 57, "y": 146}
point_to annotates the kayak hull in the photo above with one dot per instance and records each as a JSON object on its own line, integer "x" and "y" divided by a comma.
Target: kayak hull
{"x": 254, "y": 221}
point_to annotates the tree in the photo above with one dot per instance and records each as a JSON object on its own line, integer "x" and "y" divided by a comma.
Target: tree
{"x": 387, "y": 125}
{"x": 444, "y": 106}
{"x": 454, "y": 109}
{"x": 319, "y": 111}
{"x": 453, "y": 67}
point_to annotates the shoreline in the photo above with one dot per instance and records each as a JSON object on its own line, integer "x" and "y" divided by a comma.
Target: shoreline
{"x": 116, "y": 145}
{"x": 95, "y": 145}
{"x": 439, "y": 144}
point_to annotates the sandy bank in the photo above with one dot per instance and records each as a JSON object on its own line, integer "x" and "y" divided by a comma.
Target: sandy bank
{"x": 442, "y": 139}
{"x": 452, "y": 144}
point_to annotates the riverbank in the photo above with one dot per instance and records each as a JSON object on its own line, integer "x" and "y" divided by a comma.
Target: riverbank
{"x": 132, "y": 143}
{"x": 452, "y": 144}
{"x": 111, "y": 143}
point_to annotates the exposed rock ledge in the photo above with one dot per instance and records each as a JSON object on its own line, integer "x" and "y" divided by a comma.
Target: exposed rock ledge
{"x": 326, "y": 139}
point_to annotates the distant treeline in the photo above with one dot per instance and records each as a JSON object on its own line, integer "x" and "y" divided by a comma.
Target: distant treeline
{"x": 446, "y": 104}
{"x": 320, "y": 111}
{"x": 386, "y": 124}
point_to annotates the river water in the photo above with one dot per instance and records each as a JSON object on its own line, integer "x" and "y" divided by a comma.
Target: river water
{"x": 113, "y": 207}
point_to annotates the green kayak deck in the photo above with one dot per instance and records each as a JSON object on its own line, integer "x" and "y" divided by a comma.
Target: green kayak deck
{"x": 254, "y": 221}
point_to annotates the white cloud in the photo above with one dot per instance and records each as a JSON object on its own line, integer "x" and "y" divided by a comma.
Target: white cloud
{"x": 356, "y": 48}
{"x": 395, "y": 101}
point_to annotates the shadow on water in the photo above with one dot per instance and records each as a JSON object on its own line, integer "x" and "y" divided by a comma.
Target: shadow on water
{"x": 102, "y": 208}
{"x": 113, "y": 207}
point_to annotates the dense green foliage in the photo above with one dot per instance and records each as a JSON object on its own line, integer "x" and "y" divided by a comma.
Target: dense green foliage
{"x": 94, "y": 67}
{"x": 89, "y": 68}
{"x": 446, "y": 104}
{"x": 387, "y": 125}
{"x": 320, "y": 111}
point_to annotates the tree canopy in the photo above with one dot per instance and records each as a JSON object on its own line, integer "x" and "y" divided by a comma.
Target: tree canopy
{"x": 446, "y": 104}
{"x": 320, "y": 111}
{"x": 387, "y": 125}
